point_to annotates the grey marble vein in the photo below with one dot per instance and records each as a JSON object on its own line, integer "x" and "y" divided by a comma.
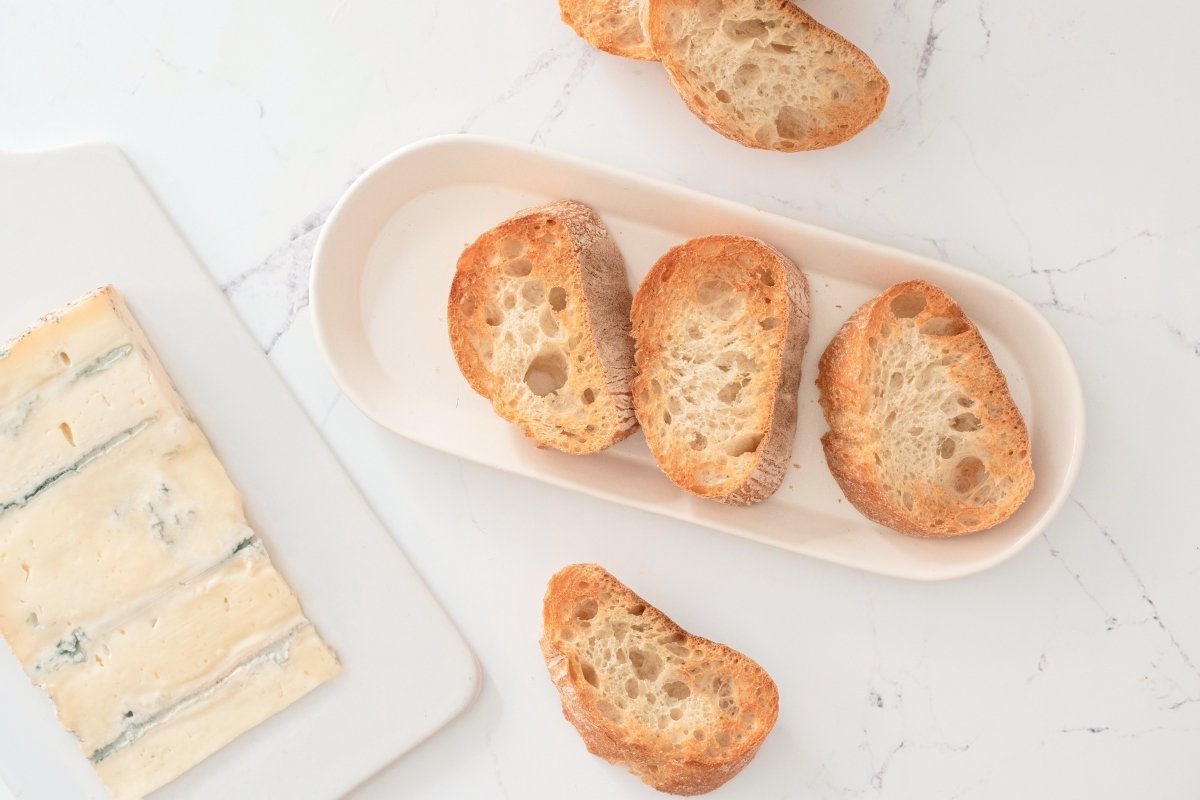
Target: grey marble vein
{"x": 1057, "y": 555}
{"x": 931, "y": 38}
{"x": 545, "y": 60}
{"x": 582, "y": 64}
{"x": 1145, "y": 593}
{"x": 283, "y": 273}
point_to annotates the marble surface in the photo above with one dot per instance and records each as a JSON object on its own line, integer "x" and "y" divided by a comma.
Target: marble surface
{"x": 1051, "y": 147}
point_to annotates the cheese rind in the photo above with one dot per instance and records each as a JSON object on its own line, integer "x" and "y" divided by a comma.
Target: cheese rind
{"x": 131, "y": 588}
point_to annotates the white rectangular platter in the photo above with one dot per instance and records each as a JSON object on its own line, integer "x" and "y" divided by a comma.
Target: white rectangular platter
{"x": 381, "y": 276}
{"x": 75, "y": 219}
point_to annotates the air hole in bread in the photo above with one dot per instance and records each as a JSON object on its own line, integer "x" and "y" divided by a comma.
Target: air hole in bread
{"x": 676, "y": 714}
{"x": 769, "y": 324}
{"x": 965, "y": 423}
{"x": 943, "y": 326}
{"x": 792, "y": 123}
{"x": 510, "y": 302}
{"x": 747, "y": 75}
{"x": 677, "y": 690}
{"x": 711, "y": 291}
{"x": 529, "y": 335}
{"x": 466, "y": 307}
{"x": 908, "y": 305}
{"x": 588, "y": 397}
{"x": 742, "y": 445}
{"x": 782, "y": 48}
{"x": 550, "y": 240}
{"x": 968, "y": 474}
{"x": 548, "y": 323}
{"x": 646, "y": 665}
{"x": 729, "y": 392}
{"x": 711, "y": 477}
{"x": 558, "y": 298}
{"x": 587, "y": 609}
{"x": 744, "y": 30}
{"x": 767, "y": 277}
{"x": 907, "y": 499}
{"x": 589, "y": 674}
{"x": 512, "y": 247}
{"x": 723, "y": 96}
{"x": 609, "y": 710}
{"x": 946, "y": 449}
{"x": 492, "y": 315}
{"x": 631, "y": 688}
{"x": 65, "y": 359}
{"x": 667, "y": 417}
{"x": 518, "y": 267}
{"x": 698, "y": 441}
{"x": 637, "y": 610}
{"x": 547, "y": 373}
{"x": 534, "y": 292}
{"x": 896, "y": 381}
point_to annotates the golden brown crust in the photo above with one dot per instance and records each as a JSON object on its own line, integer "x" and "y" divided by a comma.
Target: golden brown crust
{"x": 559, "y": 247}
{"x": 851, "y": 443}
{"x": 614, "y": 26}
{"x": 839, "y": 121}
{"x": 684, "y": 768}
{"x": 774, "y": 287}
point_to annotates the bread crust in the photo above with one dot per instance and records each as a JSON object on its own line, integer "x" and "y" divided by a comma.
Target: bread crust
{"x": 614, "y": 26}
{"x": 850, "y": 442}
{"x": 683, "y": 269}
{"x": 686, "y": 769}
{"x": 584, "y": 262}
{"x": 840, "y": 121}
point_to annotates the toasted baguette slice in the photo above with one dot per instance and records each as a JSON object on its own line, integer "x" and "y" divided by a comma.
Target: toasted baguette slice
{"x": 720, "y": 326}
{"x": 683, "y": 713}
{"x": 539, "y": 322}
{"x": 764, "y": 73}
{"x": 924, "y": 436}
{"x": 614, "y": 26}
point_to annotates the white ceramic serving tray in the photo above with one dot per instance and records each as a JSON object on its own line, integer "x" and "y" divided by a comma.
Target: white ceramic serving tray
{"x": 382, "y": 273}
{"x": 74, "y": 219}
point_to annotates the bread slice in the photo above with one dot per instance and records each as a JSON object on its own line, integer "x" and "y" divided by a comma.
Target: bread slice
{"x": 539, "y": 322}
{"x": 720, "y": 324}
{"x": 614, "y": 26}
{"x": 764, "y": 73}
{"x": 924, "y": 436}
{"x": 683, "y": 713}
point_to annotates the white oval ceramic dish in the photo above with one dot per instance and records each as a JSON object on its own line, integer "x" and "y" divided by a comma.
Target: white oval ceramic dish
{"x": 382, "y": 272}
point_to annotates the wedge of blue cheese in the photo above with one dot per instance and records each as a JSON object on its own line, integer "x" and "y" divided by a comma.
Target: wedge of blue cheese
{"x": 131, "y": 588}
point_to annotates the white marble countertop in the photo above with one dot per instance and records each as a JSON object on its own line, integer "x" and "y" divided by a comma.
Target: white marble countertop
{"x": 1051, "y": 147}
